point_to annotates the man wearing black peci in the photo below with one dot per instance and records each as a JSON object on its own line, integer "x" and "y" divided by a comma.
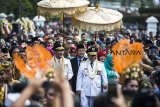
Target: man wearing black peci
{"x": 75, "y": 62}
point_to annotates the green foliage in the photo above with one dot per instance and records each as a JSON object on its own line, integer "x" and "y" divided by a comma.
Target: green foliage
{"x": 26, "y": 8}
{"x": 148, "y": 3}
{"x": 29, "y": 7}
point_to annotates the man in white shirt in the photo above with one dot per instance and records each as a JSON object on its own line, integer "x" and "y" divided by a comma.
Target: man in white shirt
{"x": 91, "y": 78}
{"x": 58, "y": 59}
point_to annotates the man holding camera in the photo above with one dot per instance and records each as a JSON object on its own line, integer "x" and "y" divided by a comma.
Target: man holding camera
{"x": 91, "y": 78}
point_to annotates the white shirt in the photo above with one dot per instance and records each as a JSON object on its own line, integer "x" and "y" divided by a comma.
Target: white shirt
{"x": 64, "y": 63}
{"x": 87, "y": 85}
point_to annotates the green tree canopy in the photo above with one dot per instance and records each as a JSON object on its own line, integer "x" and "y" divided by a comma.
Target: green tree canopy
{"x": 26, "y": 8}
{"x": 29, "y": 7}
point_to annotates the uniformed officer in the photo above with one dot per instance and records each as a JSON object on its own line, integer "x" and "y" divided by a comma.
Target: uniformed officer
{"x": 91, "y": 78}
{"x": 58, "y": 59}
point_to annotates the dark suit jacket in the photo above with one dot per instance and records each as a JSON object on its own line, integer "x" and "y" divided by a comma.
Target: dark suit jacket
{"x": 75, "y": 67}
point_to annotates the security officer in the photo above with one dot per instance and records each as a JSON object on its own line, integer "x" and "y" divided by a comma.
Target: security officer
{"x": 58, "y": 59}
{"x": 91, "y": 78}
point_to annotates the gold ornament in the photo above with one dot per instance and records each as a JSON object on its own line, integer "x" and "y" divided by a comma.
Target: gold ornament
{"x": 1, "y": 95}
{"x": 133, "y": 71}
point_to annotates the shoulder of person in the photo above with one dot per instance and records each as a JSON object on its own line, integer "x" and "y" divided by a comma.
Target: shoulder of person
{"x": 84, "y": 61}
{"x": 15, "y": 81}
{"x": 100, "y": 62}
{"x": 67, "y": 59}
{"x": 73, "y": 59}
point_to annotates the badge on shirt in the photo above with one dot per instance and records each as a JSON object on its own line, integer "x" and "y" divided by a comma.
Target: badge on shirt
{"x": 66, "y": 65}
{"x": 85, "y": 68}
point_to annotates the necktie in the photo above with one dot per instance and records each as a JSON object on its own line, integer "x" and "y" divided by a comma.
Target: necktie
{"x": 59, "y": 61}
{"x": 92, "y": 64}
{"x": 80, "y": 62}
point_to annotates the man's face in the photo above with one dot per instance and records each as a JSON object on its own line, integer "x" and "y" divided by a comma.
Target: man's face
{"x": 132, "y": 85}
{"x": 76, "y": 38}
{"x": 50, "y": 95}
{"x": 81, "y": 52}
{"x": 23, "y": 45}
{"x": 58, "y": 37}
{"x": 102, "y": 58}
{"x": 50, "y": 43}
{"x": 146, "y": 46}
{"x": 66, "y": 52}
{"x": 60, "y": 40}
{"x": 73, "y": 53}
{"x": 36, "y": 42}
{"x": 2, "y": 76}
{"x": 108, "y": 46}
{"x": 151, "y": 34}
{"x": 92, "y": 58}
{"x": 16, "y": 50}
{"x": 136, "y": 36}
{"x": 23, "y": 54}
{"x": 8, "y": 74}
{"x": 15, "y": 38}
{"x": 25, "y": 36}
{"x": 93, "y": 37}
{"x": 5, "y": 56}
{"x": 59, "y": 54}
{"x": 153, "y": 53}
{"x": 83, "y": 37}
{"x": 69, "y": 42}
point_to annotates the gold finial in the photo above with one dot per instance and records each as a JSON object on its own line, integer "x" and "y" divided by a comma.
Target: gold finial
{"x": 97, "y": 6}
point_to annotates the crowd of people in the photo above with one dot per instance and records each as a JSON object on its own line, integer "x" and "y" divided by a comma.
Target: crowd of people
{"x": 86, "y": 77}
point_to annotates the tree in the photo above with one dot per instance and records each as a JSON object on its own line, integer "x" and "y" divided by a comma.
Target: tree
{"x": 27, "y": 8}
{"x": 34, "y": 5}
{"x": 14, "y": 6}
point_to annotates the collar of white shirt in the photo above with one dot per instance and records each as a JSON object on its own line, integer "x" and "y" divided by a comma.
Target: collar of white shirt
{"x": 93, "y": 62}
{"x": 58, "y": 60}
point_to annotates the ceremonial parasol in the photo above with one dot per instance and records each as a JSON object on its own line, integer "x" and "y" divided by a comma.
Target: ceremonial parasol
{"x": 99, "y": 19}
{"x": 53, "y": 8}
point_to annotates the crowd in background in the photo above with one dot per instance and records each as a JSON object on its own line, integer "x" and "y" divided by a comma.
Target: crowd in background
{"x": 136, "y": 91}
